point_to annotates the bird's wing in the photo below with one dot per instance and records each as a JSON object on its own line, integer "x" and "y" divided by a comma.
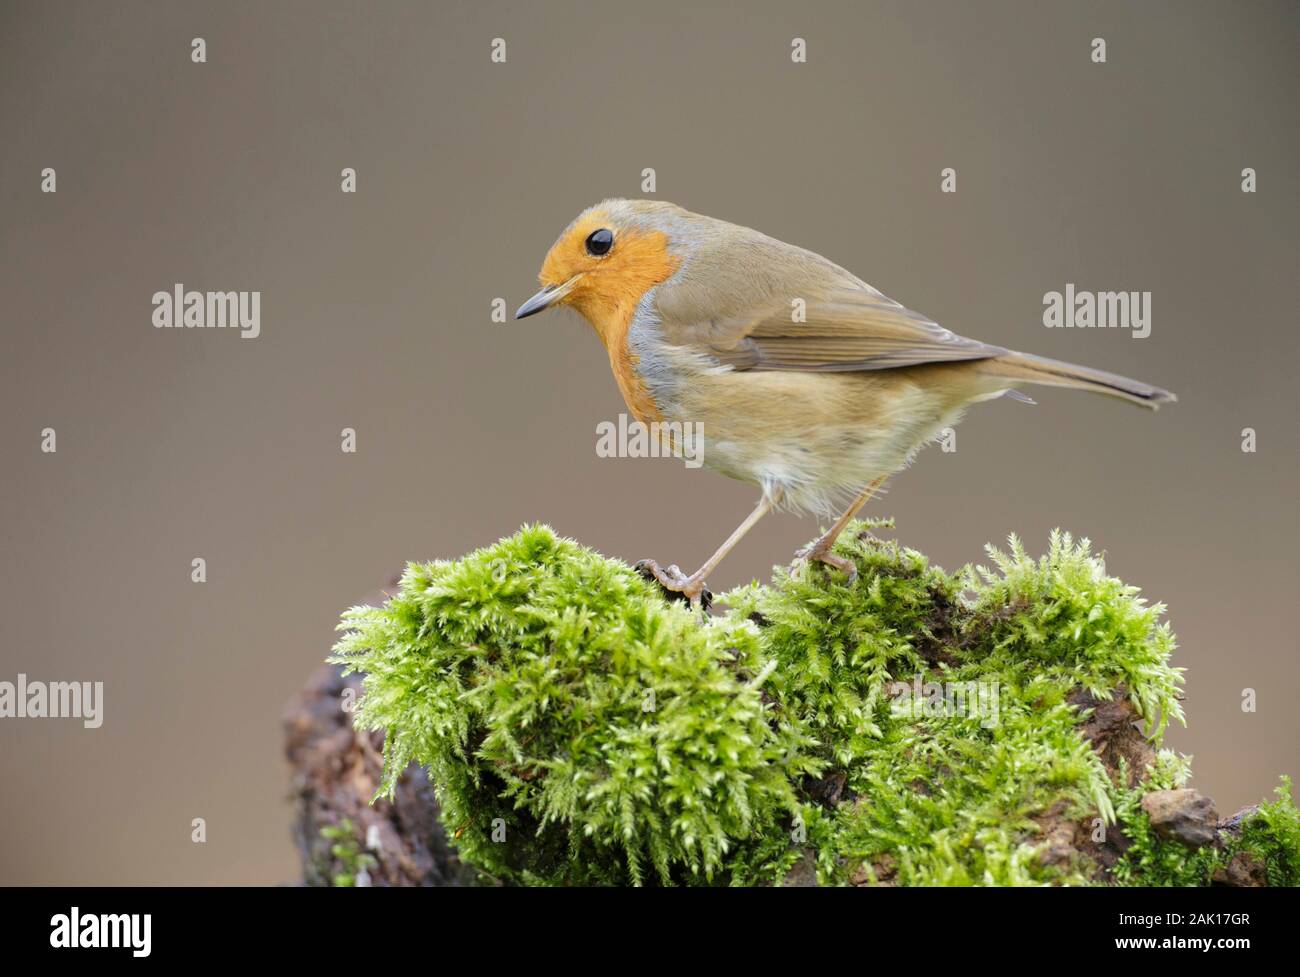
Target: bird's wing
{"x": 802, "y": 313}
{"x": 842, "y": 332}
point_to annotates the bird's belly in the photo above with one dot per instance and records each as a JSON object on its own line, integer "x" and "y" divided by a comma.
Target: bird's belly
{"x": 810, "y": 440}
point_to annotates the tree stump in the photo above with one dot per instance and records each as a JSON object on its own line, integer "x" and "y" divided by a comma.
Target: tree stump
{"x": 336, "y": 770}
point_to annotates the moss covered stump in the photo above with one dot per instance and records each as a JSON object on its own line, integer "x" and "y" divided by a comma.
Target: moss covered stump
{"x": 1000, "y": 725}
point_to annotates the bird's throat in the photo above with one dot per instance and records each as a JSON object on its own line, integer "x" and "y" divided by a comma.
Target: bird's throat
{"x": 609, "y": 302}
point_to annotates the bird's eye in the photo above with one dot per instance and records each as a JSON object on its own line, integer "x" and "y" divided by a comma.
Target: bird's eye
{"x": 599, "y": 242}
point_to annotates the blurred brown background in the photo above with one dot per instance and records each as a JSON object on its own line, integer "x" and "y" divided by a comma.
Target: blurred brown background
{"x": 174, "y": 444}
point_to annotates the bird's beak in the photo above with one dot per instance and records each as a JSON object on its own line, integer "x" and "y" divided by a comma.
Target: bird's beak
{"x": 547, "y": 297}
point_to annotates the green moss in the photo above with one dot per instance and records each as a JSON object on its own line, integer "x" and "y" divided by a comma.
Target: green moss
{"x": 1063, "y": 620}
{"x": 836, "y": 646}
{"x": 1272, "y": 835}
{"x": 578, "y": 728}
{"x": 346, "y": 853}
{"x": 914, "y": 728}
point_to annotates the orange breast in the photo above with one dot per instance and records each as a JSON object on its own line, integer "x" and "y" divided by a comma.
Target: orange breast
{"x": 609, "y": 298}
{"x": 639, "y": 401}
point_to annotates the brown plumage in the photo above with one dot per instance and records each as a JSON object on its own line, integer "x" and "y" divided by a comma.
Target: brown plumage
{"x": 804, "y": 380}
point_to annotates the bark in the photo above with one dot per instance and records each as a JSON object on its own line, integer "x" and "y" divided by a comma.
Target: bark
{"x": 336, "y": 770}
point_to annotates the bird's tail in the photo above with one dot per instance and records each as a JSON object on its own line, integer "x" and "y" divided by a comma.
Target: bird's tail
{"x": 1027, "y": 368}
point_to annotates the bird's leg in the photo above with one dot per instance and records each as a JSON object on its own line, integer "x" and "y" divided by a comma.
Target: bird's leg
{"x": 692, "y": 588}
{"x": 820, "y": 548}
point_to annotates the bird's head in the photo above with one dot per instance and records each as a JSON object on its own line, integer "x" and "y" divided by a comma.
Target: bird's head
{"x": 606, "y": 260}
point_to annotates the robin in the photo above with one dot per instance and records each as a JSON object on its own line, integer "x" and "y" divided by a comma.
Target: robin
{"x": 803, "y": 379}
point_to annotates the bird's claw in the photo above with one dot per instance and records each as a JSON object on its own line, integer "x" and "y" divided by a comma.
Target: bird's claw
{"x": 823, "y": 555}
{"x": 676, "y": 584}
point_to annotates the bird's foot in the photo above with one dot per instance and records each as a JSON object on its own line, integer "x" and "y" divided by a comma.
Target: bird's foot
{"x": 821, "y": 553}
{"x": 675, "y": 583}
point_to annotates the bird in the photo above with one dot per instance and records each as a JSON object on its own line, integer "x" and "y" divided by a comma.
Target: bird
{"x": 797, "y": 376}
